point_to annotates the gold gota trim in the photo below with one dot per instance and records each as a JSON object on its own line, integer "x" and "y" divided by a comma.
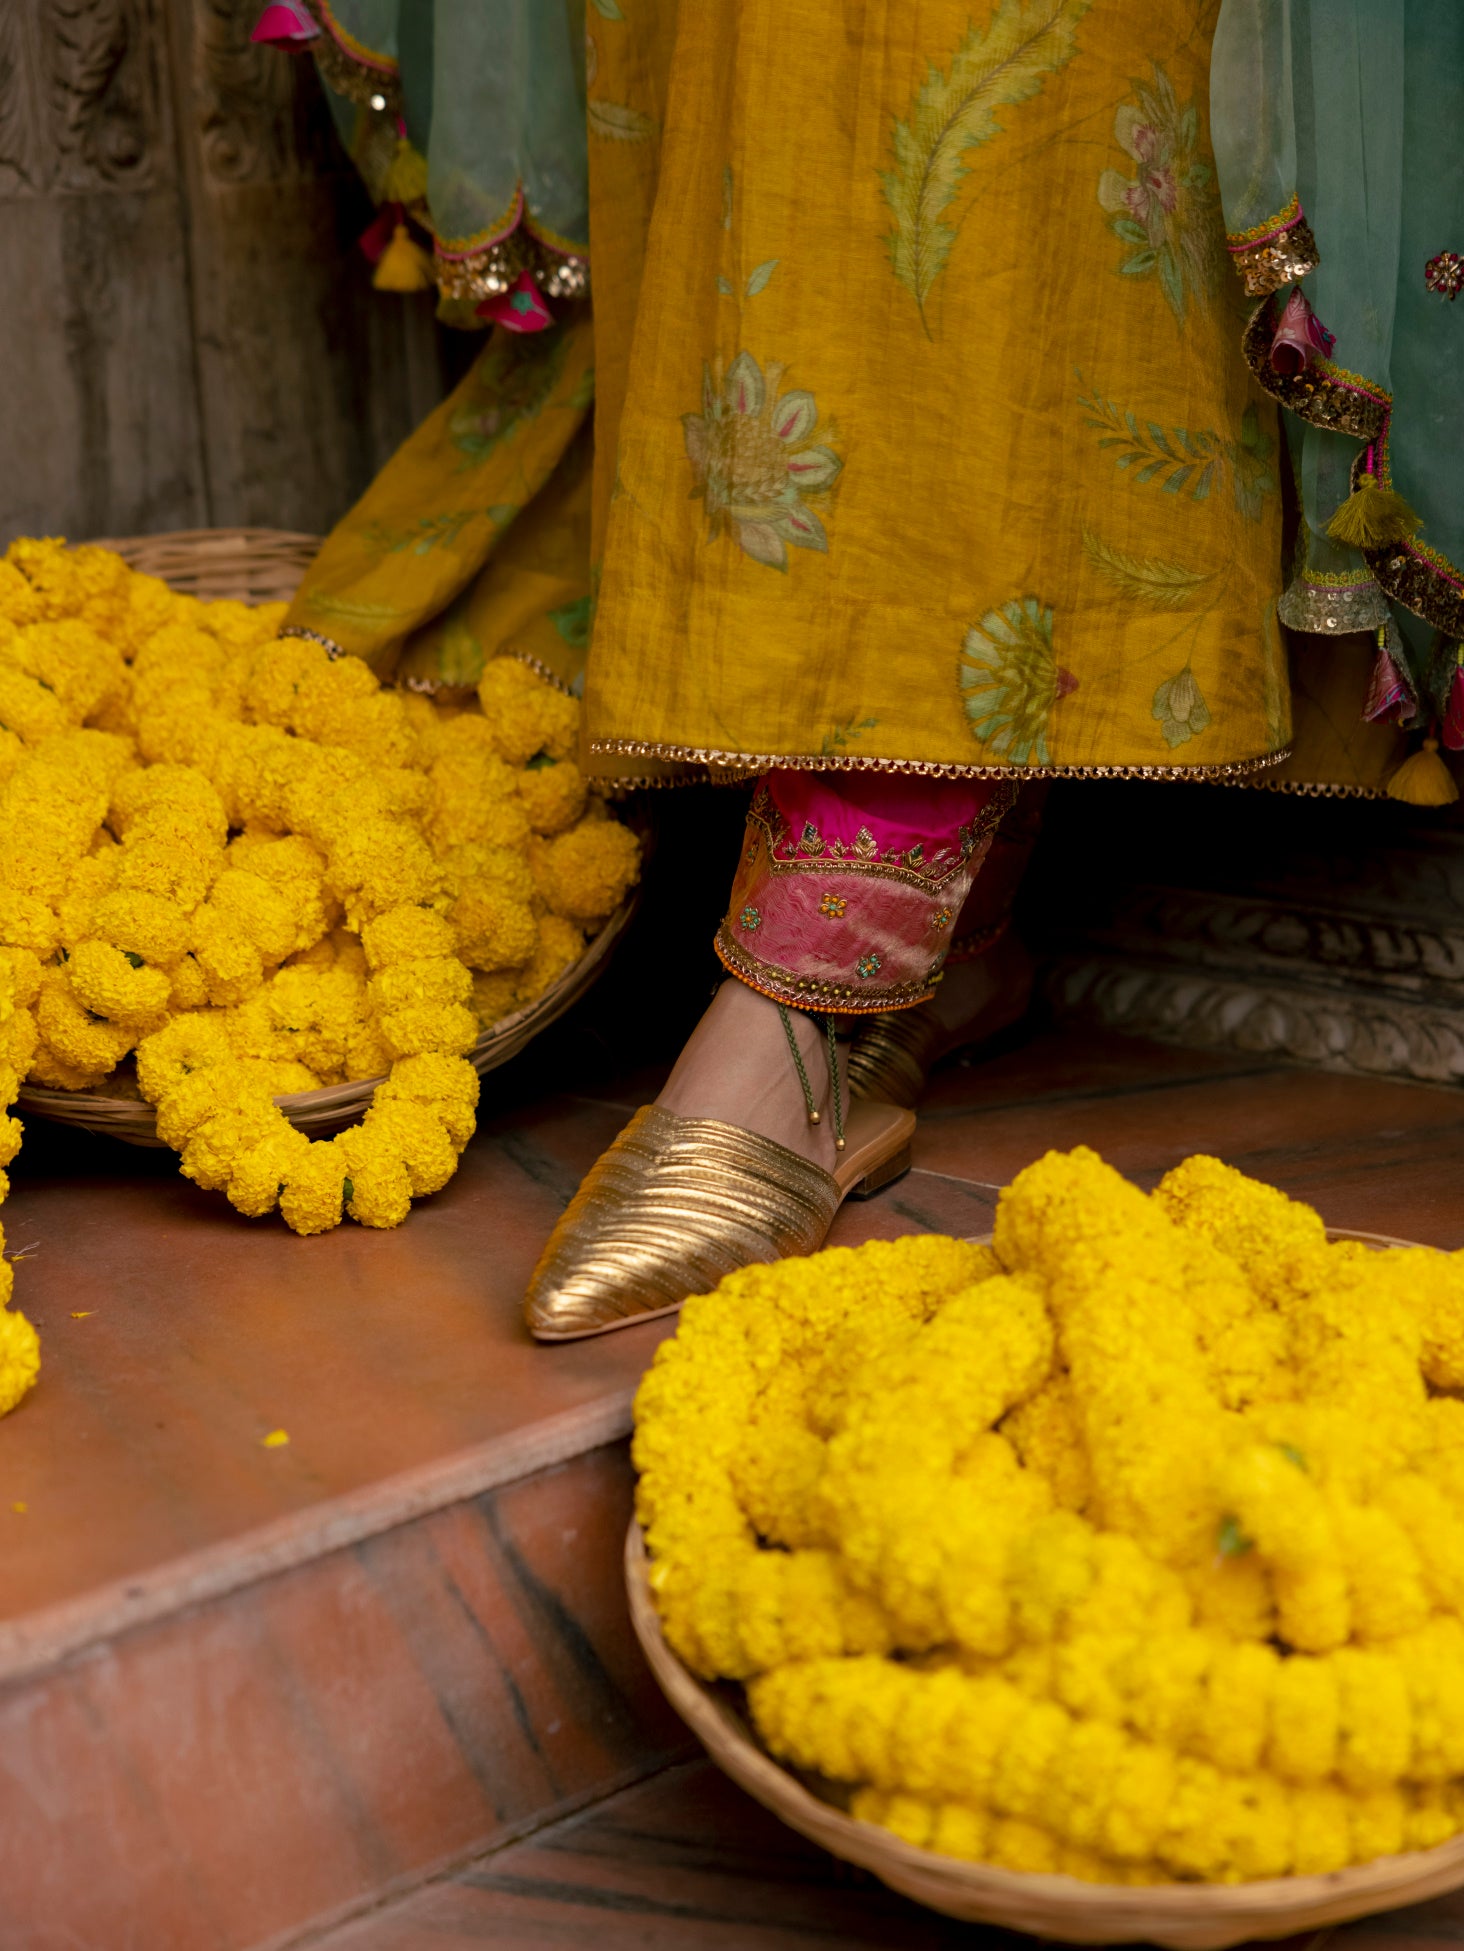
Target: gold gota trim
{"x": 748, "y": 765}
{"x": 1314, "y": 789}
{"x": 1241, "y": 240}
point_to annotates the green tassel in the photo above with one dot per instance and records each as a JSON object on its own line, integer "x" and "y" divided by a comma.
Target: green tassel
{"x": 1371, "y": 517}
{"x": 1423, "y": 779}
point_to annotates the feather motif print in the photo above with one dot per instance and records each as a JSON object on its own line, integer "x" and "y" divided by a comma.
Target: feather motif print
{"x": 993, "y": 68}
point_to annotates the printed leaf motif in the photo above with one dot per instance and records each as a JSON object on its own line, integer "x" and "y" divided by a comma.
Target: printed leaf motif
{"x": 957, "y": 111}
{"x": 725, "y": 286}
{"x": 842, "y": 734}
{"x": 1157, "y": 585}
{"x": 619, "y": 123}
{"x": 727, "y": 197}
{"x": 758, "y": 279}
{"x": 1180, "y": 707}
{"x": 1182, "y": 462}
{"x": 608, "y": 10}
{"x": 346, "y": 610}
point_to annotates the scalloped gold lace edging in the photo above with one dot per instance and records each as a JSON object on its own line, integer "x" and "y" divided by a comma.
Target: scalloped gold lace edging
{"x": 807, "y": 992}
{"x": 1274, "y": 253}
{"x": 1323, "y": 394}
{"x": 748, "y": 765}
{"x": 1314, "y": 789}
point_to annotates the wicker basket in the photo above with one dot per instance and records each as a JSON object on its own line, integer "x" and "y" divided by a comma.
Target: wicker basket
{"x": 1190, "y": 1917}
{"x": 262, "y": 565}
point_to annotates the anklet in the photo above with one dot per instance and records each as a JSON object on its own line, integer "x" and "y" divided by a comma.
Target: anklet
{"x": 810, "y": 1106}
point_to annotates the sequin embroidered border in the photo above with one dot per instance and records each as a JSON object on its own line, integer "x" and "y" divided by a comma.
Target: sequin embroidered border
{"x": 808, "y": 992}
{"x": 1322, "y": 394}
{"x": 1323, "y": 609}
{"x": 1411, "y": 572}
{"x": 1275, "y": 253}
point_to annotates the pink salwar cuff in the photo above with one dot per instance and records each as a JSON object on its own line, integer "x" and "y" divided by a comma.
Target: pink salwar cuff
{"x": 849, "y": 886}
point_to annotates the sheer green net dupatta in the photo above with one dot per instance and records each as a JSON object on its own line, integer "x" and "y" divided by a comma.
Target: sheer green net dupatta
{"x": 468, "y": 116}
{"x": 1334, "y": 125}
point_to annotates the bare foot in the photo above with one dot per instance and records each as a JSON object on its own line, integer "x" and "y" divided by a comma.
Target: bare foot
{"x": 976, "y": 999}
{"x": 737, "y": 1067}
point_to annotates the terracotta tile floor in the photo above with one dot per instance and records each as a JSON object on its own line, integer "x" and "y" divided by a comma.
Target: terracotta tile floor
{"x": 177, "y": 1335}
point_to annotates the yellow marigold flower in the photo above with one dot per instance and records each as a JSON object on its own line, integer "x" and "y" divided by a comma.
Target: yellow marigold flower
{"x": 525, "y": 714}
{"x": 119, "y": 987}
{"x": 1256, "y": 1225}
{"x": 561, "y": 944}
{"x": 426, "y": 1027}
{"x": 553, "y": 792}
{"x": 20, "y": 1358}
{"x": 493, "y": 931}
{"x": 314, "y": 1189}
{"x": 260, "y": 1171}
{"x": 588, "y": 871}
{"x": 72, "y": 1034}
{"x": 494, "y": 996}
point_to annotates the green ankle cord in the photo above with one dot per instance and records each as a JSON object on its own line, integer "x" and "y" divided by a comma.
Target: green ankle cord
{"x": 810, "y": 1106}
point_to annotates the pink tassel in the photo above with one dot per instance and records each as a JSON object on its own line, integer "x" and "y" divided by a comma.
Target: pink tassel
{"x": 1388, "y": 696}
{"x": 378, "y": 233}
{"x": 286, "y": 24}
{"x": 520, "y": 310}
{"x": 1452, "y": 733}
{"x": 1300, "y": 336}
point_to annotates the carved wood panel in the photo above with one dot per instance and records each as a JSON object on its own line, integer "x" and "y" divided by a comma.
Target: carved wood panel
{"x": 191, "y": 335}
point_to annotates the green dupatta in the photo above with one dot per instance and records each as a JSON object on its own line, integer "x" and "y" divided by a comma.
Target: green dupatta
{"x": 1335, "y": 125}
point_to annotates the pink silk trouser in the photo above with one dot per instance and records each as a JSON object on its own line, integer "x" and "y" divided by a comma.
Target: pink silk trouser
{"x": 855, "y": 887}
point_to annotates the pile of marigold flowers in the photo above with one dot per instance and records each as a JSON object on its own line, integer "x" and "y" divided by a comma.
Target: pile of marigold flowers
{"x": 1131, "y": 1547}
{"x": 244, "y": 866}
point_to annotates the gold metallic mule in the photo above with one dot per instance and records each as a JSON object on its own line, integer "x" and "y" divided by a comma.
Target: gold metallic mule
{"x": 677, "y": 1203}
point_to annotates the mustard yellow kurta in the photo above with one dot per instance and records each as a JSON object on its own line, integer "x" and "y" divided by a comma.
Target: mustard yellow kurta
{"x": 937, "y": 448}
{"x": 922, "y": 437}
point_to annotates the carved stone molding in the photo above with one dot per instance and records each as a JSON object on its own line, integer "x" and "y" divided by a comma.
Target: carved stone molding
{"x": 1335, "y": 1029}
{"x": 82, "y": 102}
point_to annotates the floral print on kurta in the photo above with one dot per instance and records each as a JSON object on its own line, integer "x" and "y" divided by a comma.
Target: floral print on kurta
{"x": 1164, "y": 206}
{"x": 755, "y": 462}
{"x": 1012, "y": 682}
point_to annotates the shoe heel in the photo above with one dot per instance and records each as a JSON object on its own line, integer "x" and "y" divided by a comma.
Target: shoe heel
{"x": 879, "y": 1176}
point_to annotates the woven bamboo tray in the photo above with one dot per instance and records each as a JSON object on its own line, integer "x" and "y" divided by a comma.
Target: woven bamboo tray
{"x": 263, "y": 565}
{"x": 1187, "y": 1916}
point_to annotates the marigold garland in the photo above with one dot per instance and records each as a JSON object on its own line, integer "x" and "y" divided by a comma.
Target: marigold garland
{"x": 251, "y": 869}
{"x": 1131, "y": 1547}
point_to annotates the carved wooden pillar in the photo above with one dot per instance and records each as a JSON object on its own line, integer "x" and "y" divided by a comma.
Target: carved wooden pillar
{"x": 190, "y": 336}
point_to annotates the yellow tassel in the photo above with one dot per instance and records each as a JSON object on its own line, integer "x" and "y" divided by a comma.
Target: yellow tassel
{"x": 403, "y": 265}
{"x": 1372, "y": 516}
{"x": 406, "y": 177}
{"x": 1423, "y": 779}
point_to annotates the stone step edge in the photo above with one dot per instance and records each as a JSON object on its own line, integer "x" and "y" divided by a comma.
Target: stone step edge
{"x": 34, "y": 1643}
{"x": 323, "y": 1927}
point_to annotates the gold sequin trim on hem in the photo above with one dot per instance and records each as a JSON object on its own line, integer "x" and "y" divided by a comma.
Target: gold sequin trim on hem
{"x": 1412, "y": 573}
{"x": 1327, "y": 606}
{"x": 1275, "y": 253}
{"x": 742, "y": 766}
{"x": 807, "y": 992}
{"x": 1314, "y": 789}
{"x": 1322, "y": 394}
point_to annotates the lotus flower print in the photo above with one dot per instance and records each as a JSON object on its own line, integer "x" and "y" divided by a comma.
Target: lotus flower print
{"x": 755, "y": 462}
{"x": 1166, "y": 208}
{"x": 1180, "y": 707}
{"x": 1012, "y": 681}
